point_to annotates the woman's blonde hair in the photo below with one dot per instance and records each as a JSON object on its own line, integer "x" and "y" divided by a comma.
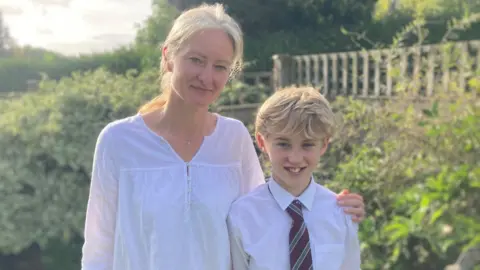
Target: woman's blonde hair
{"x": 296, "y": 110}
{"x": 187, "y": 24}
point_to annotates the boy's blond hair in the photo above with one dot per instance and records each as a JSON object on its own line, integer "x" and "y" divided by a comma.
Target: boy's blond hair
{"x": 296, "y": 110}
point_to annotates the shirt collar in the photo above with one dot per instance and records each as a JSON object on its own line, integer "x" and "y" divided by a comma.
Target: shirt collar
{"x": 284, "y": 198}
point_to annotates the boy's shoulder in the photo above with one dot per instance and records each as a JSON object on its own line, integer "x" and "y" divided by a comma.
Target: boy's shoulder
{"x": 326, "y": 200}
{"x": 324, "y": 193}
{"x": 252, "y": 198}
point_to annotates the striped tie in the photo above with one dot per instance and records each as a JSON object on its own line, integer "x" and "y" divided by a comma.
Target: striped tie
{"x": 300, "y": 253}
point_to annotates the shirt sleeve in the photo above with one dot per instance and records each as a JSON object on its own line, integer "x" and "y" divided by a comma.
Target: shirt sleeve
{"x": 99, "y": 232}
{"x": 352, "y": 259}
{"x": 251, "y": 169}
{"x": 239, "y": 256}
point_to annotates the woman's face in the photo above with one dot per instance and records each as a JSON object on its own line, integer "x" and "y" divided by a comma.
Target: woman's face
{"x": 202, "y": 67}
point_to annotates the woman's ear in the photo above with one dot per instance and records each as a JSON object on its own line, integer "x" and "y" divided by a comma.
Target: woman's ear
{"x": 164, "y": 53}
{"x": 168, "y": 62}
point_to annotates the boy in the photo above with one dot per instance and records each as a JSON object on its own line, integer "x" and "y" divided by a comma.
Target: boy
{"x": 291, "y": 222}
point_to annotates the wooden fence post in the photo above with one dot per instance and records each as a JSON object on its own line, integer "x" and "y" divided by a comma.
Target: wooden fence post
{"x": 283, "y": 68}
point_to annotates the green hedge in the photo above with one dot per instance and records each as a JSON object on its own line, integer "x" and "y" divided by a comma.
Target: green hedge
{"x": 47, "y": 138}
{"x": 16, "y": 71}
{"x": 419, "y": 174}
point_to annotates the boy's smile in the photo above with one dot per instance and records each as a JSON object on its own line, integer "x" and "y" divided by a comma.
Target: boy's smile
{"x": 295, "y": 170}
{"x": 293, "y": 159}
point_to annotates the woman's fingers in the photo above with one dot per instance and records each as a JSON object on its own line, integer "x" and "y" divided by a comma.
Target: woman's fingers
{"x": 346, "y": 195}
{"x": 355, "y": 203}
{"x": 357, "y": 219}
{"x": 354, "y": 211}
{"x": 352, "y": 204}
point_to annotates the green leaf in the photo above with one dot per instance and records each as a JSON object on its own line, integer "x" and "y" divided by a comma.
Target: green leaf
{"x": 396, "y": 231}
{"x": 437, "y": 214}
{"x": 428, "y": 113}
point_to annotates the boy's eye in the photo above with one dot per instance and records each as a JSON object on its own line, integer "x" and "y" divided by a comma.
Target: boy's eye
{"x": 308, "y": 145}
{"x": 282, "y": 144}
{"x": 196, "y": 60}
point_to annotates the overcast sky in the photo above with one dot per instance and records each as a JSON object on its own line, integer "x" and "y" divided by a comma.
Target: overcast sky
{"x": 74, "y": 26}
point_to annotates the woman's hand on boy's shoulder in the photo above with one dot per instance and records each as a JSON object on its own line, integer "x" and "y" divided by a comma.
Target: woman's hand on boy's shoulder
{"x": 353, "y": 205}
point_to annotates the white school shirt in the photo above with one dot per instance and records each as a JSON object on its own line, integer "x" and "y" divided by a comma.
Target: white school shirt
{"x": 259, "y": 229}
{"x": 150, "y": 210}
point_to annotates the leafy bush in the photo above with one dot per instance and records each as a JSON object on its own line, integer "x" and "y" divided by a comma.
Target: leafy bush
{"x": 419, "y": 173}
{"x": 47, "y": 138}
{"x": 237, "y": 93}
{"x": 416, "y": 162}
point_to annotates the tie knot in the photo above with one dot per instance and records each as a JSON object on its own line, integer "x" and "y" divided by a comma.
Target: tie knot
{"x": 295, "y": 210}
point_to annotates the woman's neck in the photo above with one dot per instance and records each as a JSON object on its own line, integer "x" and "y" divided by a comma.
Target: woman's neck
{"x": 180, "y": 118}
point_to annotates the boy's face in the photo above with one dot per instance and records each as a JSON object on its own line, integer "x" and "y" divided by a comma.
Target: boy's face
{"x": 293, "y": 158}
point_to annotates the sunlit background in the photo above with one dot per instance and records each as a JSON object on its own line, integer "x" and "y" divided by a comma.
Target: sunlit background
{"x": 74, "y": 26}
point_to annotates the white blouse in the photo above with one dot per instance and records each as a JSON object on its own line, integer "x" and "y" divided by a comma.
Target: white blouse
{"x": 150, "y": 210}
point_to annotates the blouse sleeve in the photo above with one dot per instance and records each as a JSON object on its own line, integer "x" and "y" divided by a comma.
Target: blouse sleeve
{"x": 240, "y": 258}
{"x": 251, "y": 169}
{"x": 97, "y": 252}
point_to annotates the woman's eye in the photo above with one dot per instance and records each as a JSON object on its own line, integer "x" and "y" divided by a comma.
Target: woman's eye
{"x": 220, "y": 67}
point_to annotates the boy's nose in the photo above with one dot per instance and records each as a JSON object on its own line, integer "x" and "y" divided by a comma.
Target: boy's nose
{"x": 295, "y": 157}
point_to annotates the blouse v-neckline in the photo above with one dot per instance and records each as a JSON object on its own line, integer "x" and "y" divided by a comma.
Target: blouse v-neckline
{"x": 170, "y": 147}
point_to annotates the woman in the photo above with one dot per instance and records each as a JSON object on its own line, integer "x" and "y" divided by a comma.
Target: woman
{"x": 163, "y": 180}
